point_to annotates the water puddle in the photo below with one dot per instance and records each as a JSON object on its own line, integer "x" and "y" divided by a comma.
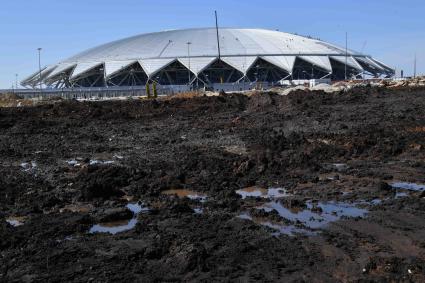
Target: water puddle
{"x": 16, "y": 221}
{"x": 101, "y": 162}
{"x": 198, "y": 210}
{"x": 314, "y": 216}
{"x": 136, "y": 208}
{"x": 116, "y": 227}
{"x": 281, "y": 229}
{"x": 409, "y": 186}
{"x": 73, "y": 163}
{"x": 376, "y": 201}
{"x": 399, "y": 195}
{"x": 318, "y": 215}
{"x": 79, "y": 162}
{"x": 340, "y": 166}
{"x": 28, "y": 166}
{"x": 262, "y": 193}
{"x": 181, "y": 193}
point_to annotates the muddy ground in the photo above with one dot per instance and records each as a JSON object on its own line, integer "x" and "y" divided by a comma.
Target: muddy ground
{"x": 68, "y": 166}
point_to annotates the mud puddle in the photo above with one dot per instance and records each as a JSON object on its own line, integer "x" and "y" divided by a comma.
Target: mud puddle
{"x": 198, "y": 210}
{"x": 16, "y": 221}
{"x": 182, "y": 193}
{"x": 271, "y": 193}
{"x": 116, "y": 227}
{"x": 101, "y": 162}
{"x": 401, "y": 195}
{"x": 409, "y": 186}
{"x": 340, "y": 166}
{"x": 78, "y": 162}
{"x": 28, "y": 166}
{"x": 314, "y": 216}
{"x": 281, "y": 229}
{"x": 74, "y": 163}
{"x": 318, "y": 215}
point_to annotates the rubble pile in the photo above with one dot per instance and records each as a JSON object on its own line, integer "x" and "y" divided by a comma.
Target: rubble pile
{"x": 344, "y": 86}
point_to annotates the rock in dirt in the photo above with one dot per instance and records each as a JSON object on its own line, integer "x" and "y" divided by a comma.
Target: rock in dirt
{"x": 115, "y": 214}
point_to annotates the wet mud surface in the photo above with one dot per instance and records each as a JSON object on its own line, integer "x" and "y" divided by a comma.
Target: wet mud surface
{"x": 311, "y": 187}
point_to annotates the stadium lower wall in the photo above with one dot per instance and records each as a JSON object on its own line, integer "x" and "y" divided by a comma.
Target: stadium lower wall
{"x": 111, "y": 92}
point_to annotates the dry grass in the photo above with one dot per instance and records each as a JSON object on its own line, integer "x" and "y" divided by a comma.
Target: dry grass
{"x": 12, "y": 100}
{"x": 184, "y": 95}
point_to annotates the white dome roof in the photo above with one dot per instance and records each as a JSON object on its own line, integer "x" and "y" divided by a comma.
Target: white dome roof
{"x": 239, "y": 48}
{"x": 173, "y": 44}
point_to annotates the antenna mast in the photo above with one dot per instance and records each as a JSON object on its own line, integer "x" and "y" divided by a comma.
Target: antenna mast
{"x": 218, "y": 38}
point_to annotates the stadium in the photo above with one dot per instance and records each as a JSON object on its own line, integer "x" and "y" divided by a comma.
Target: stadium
{"x": 207, "y": 56}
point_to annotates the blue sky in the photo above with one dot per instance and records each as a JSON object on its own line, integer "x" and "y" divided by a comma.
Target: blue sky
{"x": 390, "y": 30}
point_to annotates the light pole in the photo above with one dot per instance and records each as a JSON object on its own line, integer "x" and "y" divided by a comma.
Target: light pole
{"x": 39, "y": 66}
{"x": 188, "y": 56}
{"x": 16, "y": 81}
{"x": 346, "y": 53}
{"x": 414, "y": 67}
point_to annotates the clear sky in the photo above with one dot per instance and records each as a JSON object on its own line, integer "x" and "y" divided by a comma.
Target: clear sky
{"x": 390, "y": 30}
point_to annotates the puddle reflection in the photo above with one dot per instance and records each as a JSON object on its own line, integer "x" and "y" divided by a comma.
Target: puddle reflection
{"x": 29, "y": 166}
{"x": 116, "y": 227}
{"x": 326, "y": 212}
{"x": 281, "y": 229}
{"x": 16, "y": 221}
{"x": 100, "y": 162}
{"x": 314, "y": 216}
{"x": 263, "y": 193}
{"x": 409, "y": 186}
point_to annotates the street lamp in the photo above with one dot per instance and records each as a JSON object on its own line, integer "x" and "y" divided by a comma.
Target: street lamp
{"x": 39, "y": 66}
{"x": 16, "y": 81}
{"x": 346, "y": 54}
{"x": 414, "y": 67}
{"x": 188, "y": 56}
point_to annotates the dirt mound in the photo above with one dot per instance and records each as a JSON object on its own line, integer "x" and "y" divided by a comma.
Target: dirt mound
{"x": 9, "y": 96}
{"x": 102, "y": 182}
{"x": 261, "y": 100}
{"x": 12, "y": 100}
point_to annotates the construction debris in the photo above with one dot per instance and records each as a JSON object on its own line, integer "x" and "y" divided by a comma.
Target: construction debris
{"x": 347, "y": 85}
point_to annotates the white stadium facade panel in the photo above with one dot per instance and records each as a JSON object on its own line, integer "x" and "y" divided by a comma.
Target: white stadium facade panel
{"x": 181, "y": 57}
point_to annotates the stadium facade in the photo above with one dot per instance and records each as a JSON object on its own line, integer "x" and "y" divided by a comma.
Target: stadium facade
{"x": 201, "y": 57}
